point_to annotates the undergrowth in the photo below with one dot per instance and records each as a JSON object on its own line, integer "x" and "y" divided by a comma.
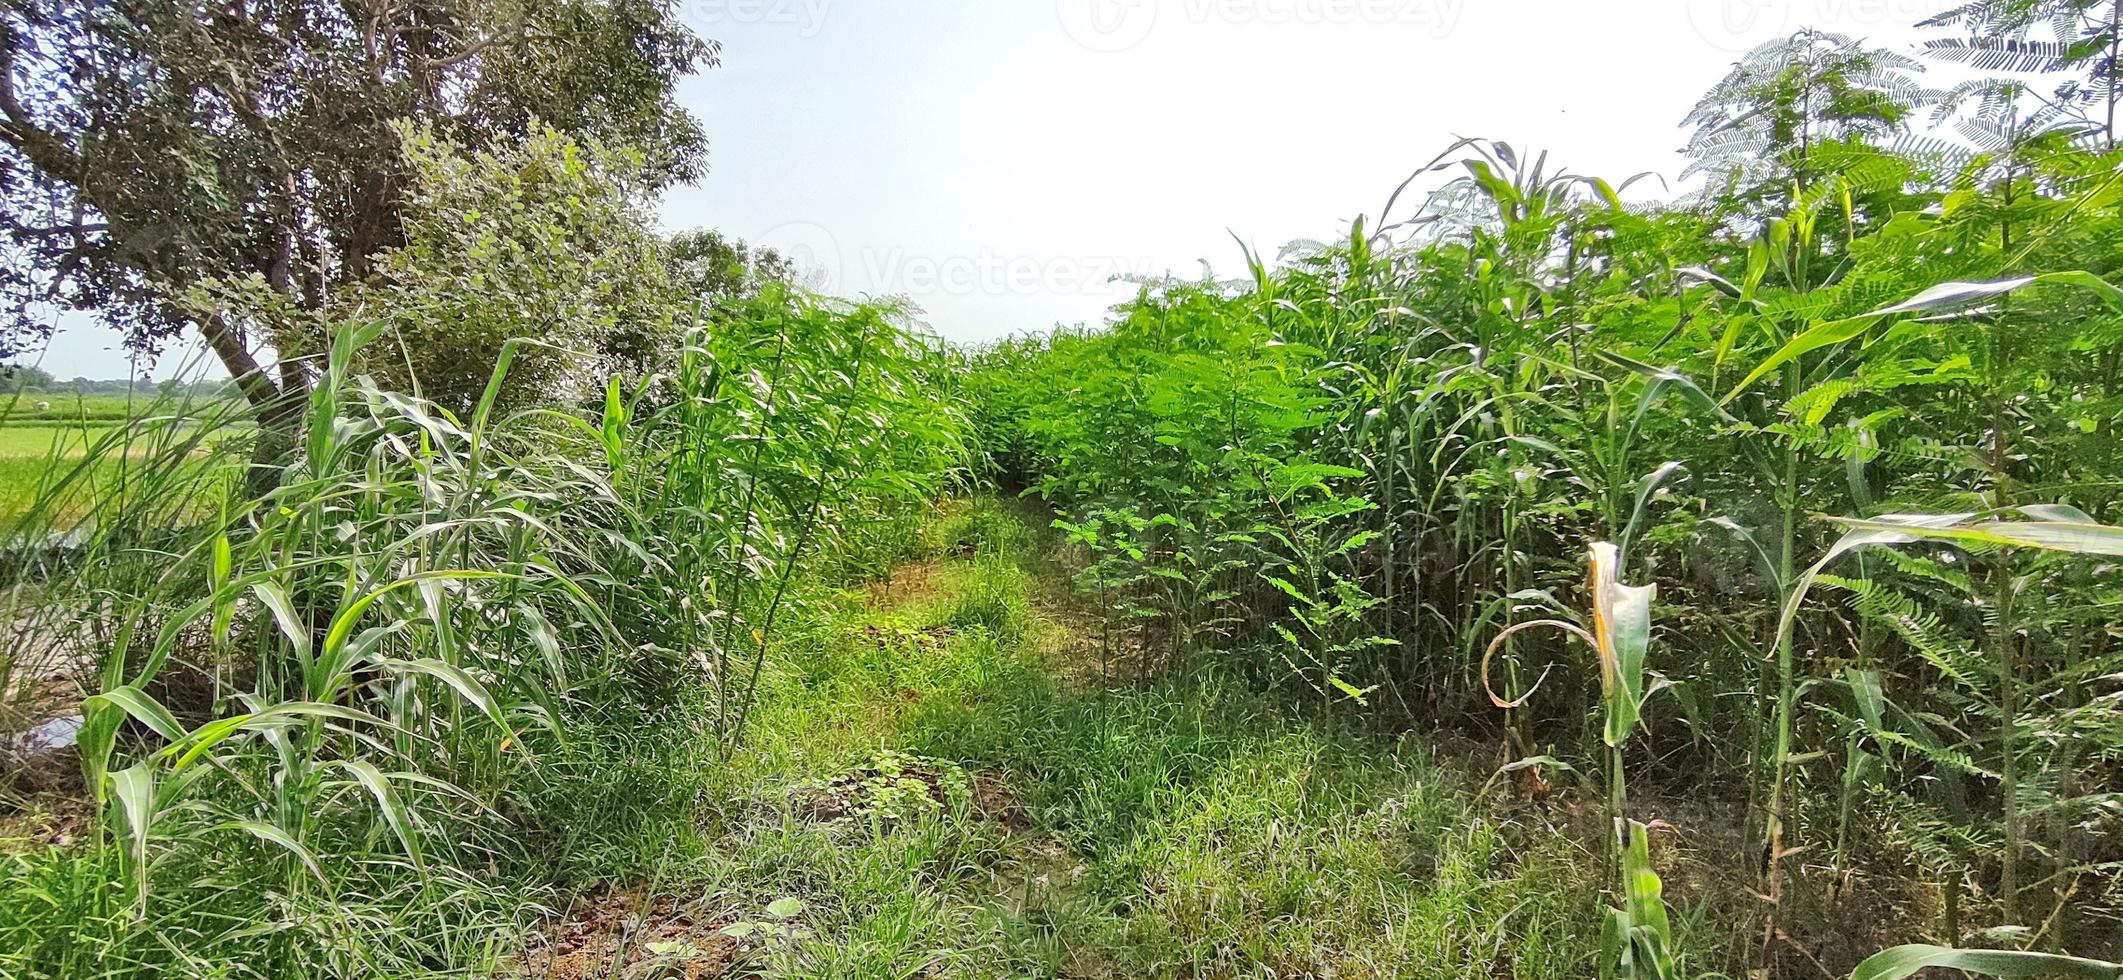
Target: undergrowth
{"x": 1185, "y": 826}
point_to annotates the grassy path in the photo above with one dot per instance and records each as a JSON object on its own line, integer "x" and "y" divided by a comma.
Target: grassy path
{"x": 939, "y": 785}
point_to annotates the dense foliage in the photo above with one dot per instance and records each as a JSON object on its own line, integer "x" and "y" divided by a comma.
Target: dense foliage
{"x": 317, "y": 707}
{"x": 1367, "y": 459}
{"x": 1775, "y": 524}
{"x": 147, "y": 146}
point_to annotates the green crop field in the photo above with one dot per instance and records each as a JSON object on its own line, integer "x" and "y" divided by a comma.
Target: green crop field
{"x": 23, "y": 440}
{"x": 1548, "y": 575}
{"x": 38, "y": 408}
{"x": 71, "y": 466}
{"x": 63, "y": 441}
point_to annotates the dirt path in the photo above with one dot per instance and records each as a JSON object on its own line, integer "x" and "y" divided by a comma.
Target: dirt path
{"x": 951, "y": 778}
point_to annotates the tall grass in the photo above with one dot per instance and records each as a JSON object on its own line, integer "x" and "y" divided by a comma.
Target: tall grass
{"x": 1529, "y": 362}
{"x": 317, "y": 716}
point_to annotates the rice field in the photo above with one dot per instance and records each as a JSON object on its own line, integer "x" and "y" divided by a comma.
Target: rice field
{"x": 74, "y": 464}
{"x": 39, "y": 408}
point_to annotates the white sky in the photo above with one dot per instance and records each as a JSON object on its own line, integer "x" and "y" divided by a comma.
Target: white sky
{"x": 996, "y": 161}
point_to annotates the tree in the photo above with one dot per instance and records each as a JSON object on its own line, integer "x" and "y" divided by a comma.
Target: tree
{"x": 1775, "y": 122}
{"x": 718, "y": 270}
{"x": 540, "y": 238}
{"x": 149, "y": 145}
{"x": 24, "y": 377}
{"x": 2085, "y": 39}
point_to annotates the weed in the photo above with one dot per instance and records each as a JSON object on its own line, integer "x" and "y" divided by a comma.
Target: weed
{"x": 993, "y": 601}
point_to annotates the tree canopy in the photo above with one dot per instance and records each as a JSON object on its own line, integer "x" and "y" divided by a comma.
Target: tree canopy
{"x": 149, "y": 144}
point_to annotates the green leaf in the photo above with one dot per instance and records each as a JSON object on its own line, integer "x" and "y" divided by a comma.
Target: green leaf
{"x": 785, "y": 908}
{"x": 2057, "y": 513}
{"x": 1952, "y": 296}
{"x": 2071, "y": 538}
{"x": 1825, "y": 334}
{"x": 1942, "y": 298}
{"x": 1696, "y": 273}
{"x": 1288, "y": 481}
{"x": 279, "y": 838}
{"x": 97, "y": 739}
{"x": 509, "y": 349}
{"x": 612, "y": 428}
{"x": 394, "y": 811}
{"x": 464, "y": 683}
{"x": 1284, "y": 585}
{"x": 1543, "y": 761}
{"x": 1871, "y": 701}
{"x": 1645, "y": 491}
{"x": 221, "y": 568}
{"x": 143, "y": 708}
{"x": 194, "y": 746}
{"x": 1646, "y": 900}
{"x": 1351, "y": 691}
{"x": 275, "y": 598}
{"x": 135, "y": 791}
{"x": 1906, "y": 961}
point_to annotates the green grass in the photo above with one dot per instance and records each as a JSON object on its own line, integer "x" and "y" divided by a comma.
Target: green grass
{"x": 36, "y": 455}
{"x": 992, "y": 601}
{"x": 63, "y": 440}
{"x": 38, "y": 408}
{"x": 44, "y": 440}
{"x": 33, "y": 455}
{"x": 980, "y": 526}
{"x": 1189, "y": 827}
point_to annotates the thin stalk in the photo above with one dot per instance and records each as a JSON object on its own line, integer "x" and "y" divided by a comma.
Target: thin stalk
{"x": 2004, "y": 650}
{"x": 795, "y": 555}
{"x": 733, "y": 555}
{"x": 1780, "y": 752}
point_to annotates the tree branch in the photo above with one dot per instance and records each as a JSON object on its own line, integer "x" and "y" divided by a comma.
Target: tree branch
{"x": 511, "y": 32}
{"x": 43, "y": 148}
{"x": 76, "y": 229}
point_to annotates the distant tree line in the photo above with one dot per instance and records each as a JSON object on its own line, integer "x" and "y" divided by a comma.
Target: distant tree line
{"x": 29, "y": 379}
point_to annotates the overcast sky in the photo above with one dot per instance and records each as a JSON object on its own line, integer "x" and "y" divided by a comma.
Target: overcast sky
{"x": 999, "y": 161}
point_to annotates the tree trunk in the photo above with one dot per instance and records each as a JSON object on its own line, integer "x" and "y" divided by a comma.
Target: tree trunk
{"x": 243, "y": 368}
{"x": 275, "y": 407}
